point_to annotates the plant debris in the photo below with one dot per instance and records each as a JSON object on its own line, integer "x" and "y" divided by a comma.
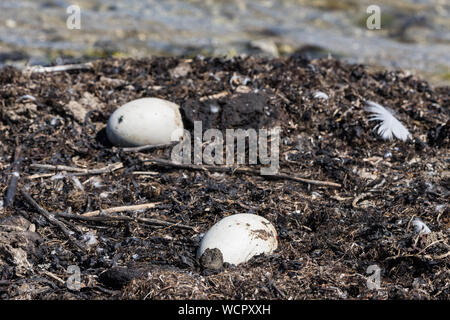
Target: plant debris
{"x": 128, "y": 225}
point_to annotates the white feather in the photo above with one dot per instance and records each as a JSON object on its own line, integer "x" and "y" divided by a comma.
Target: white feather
{"x": 389, "y": 126}
{"x": 420, "y": 226}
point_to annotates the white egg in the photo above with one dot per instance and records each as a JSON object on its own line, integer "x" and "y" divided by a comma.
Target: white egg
{"x": 240, "y": 237}
{"x": 145, "y": 121}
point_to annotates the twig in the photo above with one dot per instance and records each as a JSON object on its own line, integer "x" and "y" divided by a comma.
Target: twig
{"x": 40, "y": 175}
{"x": 54, "y": 277}
{"x": 10, "y": 194}
{"x": 57, "y": 167}
{"x": 283, "y": 98}
{"x": 145, "y": 173}
{"x": 240, "y": 170}
{"x": 149, "y": 147}
{"x": 79, "y": 171}
{"x": 359, "y": 198}
{"x": 51, "y": 218}
{"x": 66, "y": 67}
{"x": 124, "y": 218}
{"x": 214, "y": 96}
{"x": 121, "y": 209}
{"x": 428, "y": 246}
{"x": 442, "y": 256}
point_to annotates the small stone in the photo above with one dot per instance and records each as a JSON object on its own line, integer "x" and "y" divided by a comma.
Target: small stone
{"x": 212, "y": 259}
{"x": 181, "y": 70}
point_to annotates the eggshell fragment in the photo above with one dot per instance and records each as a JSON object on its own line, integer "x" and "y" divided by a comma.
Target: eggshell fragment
{"x": 240, "y": 237}
{"x": 146, "y": 121}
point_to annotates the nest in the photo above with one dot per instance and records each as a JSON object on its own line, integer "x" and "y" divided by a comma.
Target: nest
{"x": 126, "y": 223}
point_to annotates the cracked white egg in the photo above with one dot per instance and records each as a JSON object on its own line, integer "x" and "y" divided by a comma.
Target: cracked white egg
{"x": 240, "y": 237}
{"x": 146, "y": 121}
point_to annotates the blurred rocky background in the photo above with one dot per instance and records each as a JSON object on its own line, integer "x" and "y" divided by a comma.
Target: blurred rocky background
{"x": 414, "y": 34}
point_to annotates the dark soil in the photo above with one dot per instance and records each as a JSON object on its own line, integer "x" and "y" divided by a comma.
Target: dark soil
{"x": 328, "y": 237}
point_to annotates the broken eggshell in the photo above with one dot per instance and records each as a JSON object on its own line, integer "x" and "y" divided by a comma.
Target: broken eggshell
{"x": 239, "y": 237}
{"x": 146, "y": 121}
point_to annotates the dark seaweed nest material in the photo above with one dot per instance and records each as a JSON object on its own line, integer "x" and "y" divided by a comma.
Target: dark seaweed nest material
{"x": 328, "y": 237}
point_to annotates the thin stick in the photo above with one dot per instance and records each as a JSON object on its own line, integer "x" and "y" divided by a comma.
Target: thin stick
{"x": 283, "y": 98}
{"x": 66, "y": 67}
{"x": 124, "y": 218}
{"x": 149, "y": 147}
{"x": 240, "y": 170}
{"x": 121, "y": 209}
{"x": 145, "y": 173}
{"x": 442, "y": 256}
{"x": 51, "y": 218}
{"x": 79, "y": 171}
{"x": 10, "y": 194}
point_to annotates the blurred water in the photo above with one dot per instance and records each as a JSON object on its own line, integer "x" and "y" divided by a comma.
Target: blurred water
{"x": 415, "y": 35}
